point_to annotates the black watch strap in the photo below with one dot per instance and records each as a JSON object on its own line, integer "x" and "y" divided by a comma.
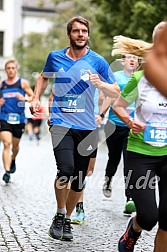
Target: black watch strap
{"x": 102, "y": 115}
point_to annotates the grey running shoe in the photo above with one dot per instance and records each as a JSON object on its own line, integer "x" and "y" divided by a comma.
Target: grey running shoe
{"x": 67, "y": 234}
{"x": 107, "y": 190}
{"x": 6, "y": 177}
{"x": 56, "y": 228}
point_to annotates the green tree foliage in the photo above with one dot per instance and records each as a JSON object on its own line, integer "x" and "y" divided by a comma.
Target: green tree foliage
{"x": 132, "y": 18}
{"x": 83, "y": 8}
{"x": 31, "y": 50}
{"x": 108, "y": 18}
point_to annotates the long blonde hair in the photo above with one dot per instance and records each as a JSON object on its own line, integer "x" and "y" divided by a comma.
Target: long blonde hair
{"x": 125, "y": 45}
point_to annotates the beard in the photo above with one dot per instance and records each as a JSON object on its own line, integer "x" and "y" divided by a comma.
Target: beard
{"x": 78, "y": 47}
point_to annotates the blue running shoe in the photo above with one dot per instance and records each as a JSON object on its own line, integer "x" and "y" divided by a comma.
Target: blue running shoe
{"x": 128, "y": 239}
{"x": 78, "y": 217}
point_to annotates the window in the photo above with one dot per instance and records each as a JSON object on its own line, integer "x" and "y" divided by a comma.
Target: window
{"x": 1, "y": 42}
{"x": 1, "y": 4}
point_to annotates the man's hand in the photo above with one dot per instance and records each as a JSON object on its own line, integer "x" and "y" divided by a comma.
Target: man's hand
{"x": 35, "y": 107}
{"x": 111, "y": 90}
{"x": 95, "y": 80}
{"x": 2, "y": 101}
{"x": 98, "y": 119}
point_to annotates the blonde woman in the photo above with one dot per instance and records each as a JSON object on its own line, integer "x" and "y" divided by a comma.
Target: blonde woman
{"x": 146, "y": 153}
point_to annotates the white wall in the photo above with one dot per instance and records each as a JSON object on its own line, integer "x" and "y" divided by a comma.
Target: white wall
{"x": 11, "y": 25}
{"x": 35, "y": 24}
{"x": 14, "y": 23}
{"x": 10, "y": 29}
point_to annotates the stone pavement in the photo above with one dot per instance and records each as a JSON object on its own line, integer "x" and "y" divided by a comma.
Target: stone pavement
{"x": 27, "y": 206}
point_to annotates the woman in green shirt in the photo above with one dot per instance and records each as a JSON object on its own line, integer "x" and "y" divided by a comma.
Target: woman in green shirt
{"x": 146, "y": 157}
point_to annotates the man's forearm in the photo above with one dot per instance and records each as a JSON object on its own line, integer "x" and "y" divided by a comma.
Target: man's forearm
{"x": 106, "y": 104}
{"x": 110, "y": 90}
{"x": 40, "y": 87}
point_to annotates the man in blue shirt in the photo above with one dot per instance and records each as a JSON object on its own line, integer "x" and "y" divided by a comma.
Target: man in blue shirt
{"x": 12, "y": 116}
{"x": 77, "y": 71}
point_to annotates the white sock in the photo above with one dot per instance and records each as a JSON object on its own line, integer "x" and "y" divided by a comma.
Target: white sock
{"x": 61, "y": 210}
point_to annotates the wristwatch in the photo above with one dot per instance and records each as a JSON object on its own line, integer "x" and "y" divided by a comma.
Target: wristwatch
{"x": 102, "y": 115}
{"x": 129, "y": 121}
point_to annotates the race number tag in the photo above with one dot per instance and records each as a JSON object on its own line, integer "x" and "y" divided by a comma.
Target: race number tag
{"x": 156, "y": 134}
{"x": 84, "y": 75}
{"x": 73, "y": 103}
{"x": 13, "y": 118}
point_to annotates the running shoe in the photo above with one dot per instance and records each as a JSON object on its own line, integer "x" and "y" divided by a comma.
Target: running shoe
{"x": 67, "y": 233}
{"x": 128, "y": 239}
{"x": 127, "y": 213}
{"x": 6, "y": 177}
{"x": 13, "y": 167}
{"x": 129, "y": 207}
{"x": 78, "y": 217}
{"x": 56, "y": 228}
{"x": 107, "y": 190}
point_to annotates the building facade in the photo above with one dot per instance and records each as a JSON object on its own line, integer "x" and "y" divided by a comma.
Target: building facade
{"x": 21, "y": 17}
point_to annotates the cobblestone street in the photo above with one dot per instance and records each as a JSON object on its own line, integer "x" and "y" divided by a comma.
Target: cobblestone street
{"x": 27, "y": 206}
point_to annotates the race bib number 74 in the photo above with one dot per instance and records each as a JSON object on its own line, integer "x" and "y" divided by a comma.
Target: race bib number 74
{"x": 73, "y": 103}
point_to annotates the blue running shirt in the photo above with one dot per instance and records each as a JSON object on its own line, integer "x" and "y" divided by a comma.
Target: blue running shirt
{"x": 122, "y": 79}
{"x": 12, "y": 110}
{"x": 73, "y": 103}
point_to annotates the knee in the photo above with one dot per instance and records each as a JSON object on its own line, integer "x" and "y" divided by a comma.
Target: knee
{"x": 147, "y": 221}
{"x": 6, "y": 144}
{"x": 65, "y": 174}
{"x": 15, "y": 148}
{"x": 77, "y": 186}
{"x": 78, "y": 183}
